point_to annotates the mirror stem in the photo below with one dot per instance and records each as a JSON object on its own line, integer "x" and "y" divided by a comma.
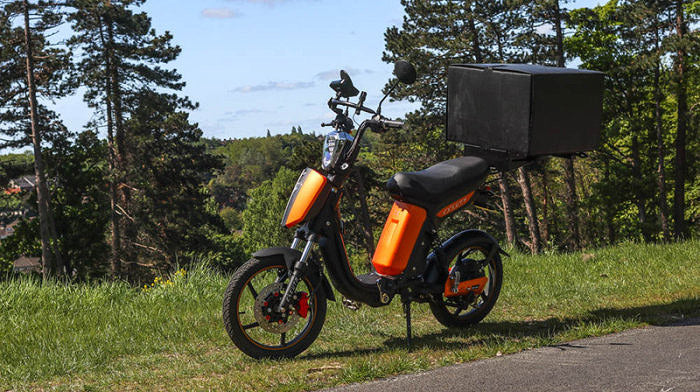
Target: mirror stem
{"x": 379, "y": 108}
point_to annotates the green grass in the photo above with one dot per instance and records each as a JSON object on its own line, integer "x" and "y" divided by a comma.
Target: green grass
{"x": 112, "y": 337}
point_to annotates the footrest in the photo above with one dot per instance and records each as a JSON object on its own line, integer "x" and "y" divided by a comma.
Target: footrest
{"x": 370, "y": 278}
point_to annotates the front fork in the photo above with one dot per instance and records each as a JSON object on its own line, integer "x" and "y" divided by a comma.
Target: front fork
{"x": 299, "y": 268}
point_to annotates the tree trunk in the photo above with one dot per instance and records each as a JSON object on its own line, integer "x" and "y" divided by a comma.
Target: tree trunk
{"x": 476, "y": 45}
{"x": 532, "y": 224}
{"x": 63, "y": 265}
{"x": 661, "y": 150}
{"x": 586, "y": 231}
{"x": 544, "y": 227}
{"x": 499, "y": 41}
{"x": 127, "y": 228}
{"x": 364, "y": 214}
{"x": 569, "y": 173}
{"x": 504, "y": 187}
{"x": 51, "y": 262}
{"x": 680, "y": 229}
{"x": 115, "y": 242}
{"x": 609, "y": 213}
{"x": 561, "y": 62}
{"x": 114, "y": 217}
{"x": 639, "y": 199}
{"x": 574, "y": 236}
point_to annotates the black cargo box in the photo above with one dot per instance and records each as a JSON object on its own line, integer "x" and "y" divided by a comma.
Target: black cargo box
{"x": 524, "y": 111}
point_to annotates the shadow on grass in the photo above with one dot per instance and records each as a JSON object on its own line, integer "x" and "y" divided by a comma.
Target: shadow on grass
{"x": 498, "y": 331}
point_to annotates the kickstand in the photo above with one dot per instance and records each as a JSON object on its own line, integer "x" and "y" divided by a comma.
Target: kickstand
{"x": 407, "y": 310}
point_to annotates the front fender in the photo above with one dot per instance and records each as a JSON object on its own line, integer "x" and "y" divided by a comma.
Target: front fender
{"x": 290, "y": 257}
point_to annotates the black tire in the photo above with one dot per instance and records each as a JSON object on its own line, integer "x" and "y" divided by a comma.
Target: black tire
{"x": 449, "y": 311}
{"x": 239, "y": 312}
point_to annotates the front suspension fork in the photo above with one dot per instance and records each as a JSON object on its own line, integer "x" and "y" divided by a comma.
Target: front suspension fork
{"x": 299, "y": 268}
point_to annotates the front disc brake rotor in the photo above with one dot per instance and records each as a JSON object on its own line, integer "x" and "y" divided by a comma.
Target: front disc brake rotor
{"x": 265, "y": 314}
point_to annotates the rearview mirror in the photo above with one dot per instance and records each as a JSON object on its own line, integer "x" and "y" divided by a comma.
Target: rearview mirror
{"x": 405, "y": 71}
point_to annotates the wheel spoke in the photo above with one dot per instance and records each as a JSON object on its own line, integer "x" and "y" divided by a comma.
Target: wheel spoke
{"x": 283, "y": 338}
{"x": 251, "y": 325}
{"x": 281, "y": 276}
{"x": 252, "y": 290}
{"x": 459, "y": 309}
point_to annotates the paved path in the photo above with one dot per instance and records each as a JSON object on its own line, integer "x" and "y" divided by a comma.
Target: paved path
{"x": 659, "y": 359}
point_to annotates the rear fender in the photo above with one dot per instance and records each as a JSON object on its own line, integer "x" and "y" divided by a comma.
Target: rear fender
{"x": 437, "y": 263}
{"x": 290, "y": 257}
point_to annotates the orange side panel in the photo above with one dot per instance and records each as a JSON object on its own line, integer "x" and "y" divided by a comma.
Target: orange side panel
{"x": 309, "y": 191}
{"x": 475, "y": 286}
{"x": 456, "y": 205}
{"x": 398, "y": 238}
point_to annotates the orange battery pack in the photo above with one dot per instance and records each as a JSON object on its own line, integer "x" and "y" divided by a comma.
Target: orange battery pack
{"x": 398, "y": 238}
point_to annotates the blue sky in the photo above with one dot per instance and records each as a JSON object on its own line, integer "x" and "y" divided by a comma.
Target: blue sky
{"x": 255, "y": 65}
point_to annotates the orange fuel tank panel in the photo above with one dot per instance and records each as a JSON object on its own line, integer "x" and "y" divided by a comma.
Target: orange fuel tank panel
{"x": 398, "y": 238}
{"x": 304, "y": 197}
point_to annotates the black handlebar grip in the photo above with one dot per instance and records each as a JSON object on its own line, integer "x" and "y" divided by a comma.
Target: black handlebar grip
{"x": 392, "y": 124}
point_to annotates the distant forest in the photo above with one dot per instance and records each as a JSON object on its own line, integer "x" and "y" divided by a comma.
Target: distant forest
{"x": 140, "y": 189}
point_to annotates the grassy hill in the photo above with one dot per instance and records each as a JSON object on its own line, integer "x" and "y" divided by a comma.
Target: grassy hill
{"x": 110, "y": 336}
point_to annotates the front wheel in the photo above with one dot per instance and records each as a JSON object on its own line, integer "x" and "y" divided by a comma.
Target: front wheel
{"x": 252, "y": 319}
{"x": 472, "y": 306}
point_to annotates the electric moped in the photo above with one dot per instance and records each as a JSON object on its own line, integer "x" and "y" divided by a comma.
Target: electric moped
{"x": 275, "y": 304}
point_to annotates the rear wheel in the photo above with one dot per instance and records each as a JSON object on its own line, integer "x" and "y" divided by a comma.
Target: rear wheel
{"x": 252, "y": 320}
{"x": 472, "y": 307}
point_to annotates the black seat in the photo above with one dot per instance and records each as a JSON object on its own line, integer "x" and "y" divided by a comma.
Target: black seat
{"x": 441, "y": 183}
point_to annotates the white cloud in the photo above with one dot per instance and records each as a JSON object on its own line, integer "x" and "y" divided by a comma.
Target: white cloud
{"x": 265, "y": 2}
{"x": 244, "y": 112}
{"x": 332, "y": 74}
{"x": 273, "y": 86}
{"x": 219, "y": 13}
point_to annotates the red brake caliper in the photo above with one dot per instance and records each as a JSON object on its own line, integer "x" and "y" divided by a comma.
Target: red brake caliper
{"x": 302, "y": 305}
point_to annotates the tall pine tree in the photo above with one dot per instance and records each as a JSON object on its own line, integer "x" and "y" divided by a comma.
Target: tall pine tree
{"x": 32, "y": 69}
{"x": 120, "y": 57}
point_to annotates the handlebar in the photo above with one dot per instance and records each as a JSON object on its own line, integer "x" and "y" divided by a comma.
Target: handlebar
{"x": 377, "y": 125}
{"x": 336, "y": 102}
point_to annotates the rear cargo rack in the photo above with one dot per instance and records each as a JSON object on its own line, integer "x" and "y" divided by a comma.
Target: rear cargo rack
{"x": 501, "y": 160}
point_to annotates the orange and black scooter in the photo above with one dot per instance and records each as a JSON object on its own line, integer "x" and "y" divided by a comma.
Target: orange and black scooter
{"x": 275, "y": 304}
